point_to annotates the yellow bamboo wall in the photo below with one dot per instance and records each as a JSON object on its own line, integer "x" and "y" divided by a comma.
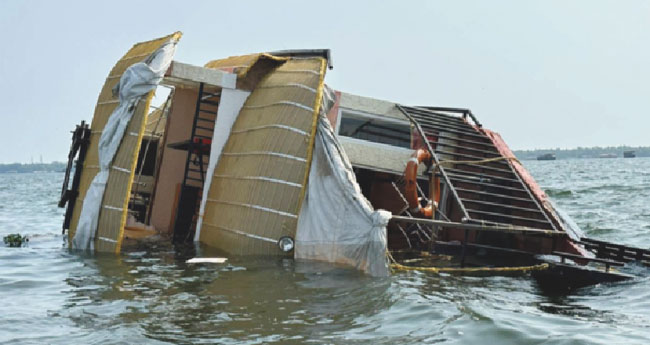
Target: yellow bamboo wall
{"x": 241, "y": 64}
{"x": 112, "y": 216}
{"x": 111, "y": 222}
{"x": 245, "y": 196}
{"x": 156, "y": 122}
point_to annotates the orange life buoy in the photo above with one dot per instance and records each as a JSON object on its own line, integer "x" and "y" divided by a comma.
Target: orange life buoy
{"x": 411, "y": 189}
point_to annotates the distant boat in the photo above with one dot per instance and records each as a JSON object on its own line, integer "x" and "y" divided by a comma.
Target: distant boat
{"x": 607, "y": 155}
{"x": 629, "y": 154}
{"x": 546, "y": 157}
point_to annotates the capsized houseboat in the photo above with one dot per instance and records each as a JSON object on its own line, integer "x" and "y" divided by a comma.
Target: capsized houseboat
{"x": 256, "y": 155}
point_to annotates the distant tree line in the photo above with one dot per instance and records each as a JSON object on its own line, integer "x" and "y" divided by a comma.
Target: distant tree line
{"x": 584, "y": 152}
{"x": 579, "y": 152}
{"x": 28, "y": 168}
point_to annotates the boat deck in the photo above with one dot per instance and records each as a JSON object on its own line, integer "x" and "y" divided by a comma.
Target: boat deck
{"x": 481, "y": 181}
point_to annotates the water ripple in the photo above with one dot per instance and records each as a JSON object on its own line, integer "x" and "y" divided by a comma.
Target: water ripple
{"x": 149, "y": 295}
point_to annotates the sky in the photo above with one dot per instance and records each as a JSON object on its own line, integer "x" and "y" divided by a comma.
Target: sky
{"x": 544, "y": 74}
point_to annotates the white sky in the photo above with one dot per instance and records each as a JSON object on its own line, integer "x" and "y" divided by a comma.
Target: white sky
{"x": 542, "y": 73}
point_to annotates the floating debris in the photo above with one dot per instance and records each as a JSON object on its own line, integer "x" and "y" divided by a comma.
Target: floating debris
{"x": 206, "y": 260}
{"x": 15, "y": 240}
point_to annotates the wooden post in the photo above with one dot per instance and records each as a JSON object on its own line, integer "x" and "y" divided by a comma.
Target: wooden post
{"x": 462, "y": 255}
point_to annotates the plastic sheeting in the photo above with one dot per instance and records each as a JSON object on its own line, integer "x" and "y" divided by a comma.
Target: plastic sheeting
{"x": 138, "y": 80}
{"x": 337, "y": 223}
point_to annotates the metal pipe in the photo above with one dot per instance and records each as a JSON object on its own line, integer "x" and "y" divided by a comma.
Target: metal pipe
{"x": 479, "y": 227}
{"x": 435, "y": 158}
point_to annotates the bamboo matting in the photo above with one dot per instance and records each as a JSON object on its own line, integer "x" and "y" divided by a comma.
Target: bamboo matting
{"x": 111, "y": 221}
{"x": 258, "y": 184}
{"x": 156, "y": 122}
{"x": 240, "y": 65}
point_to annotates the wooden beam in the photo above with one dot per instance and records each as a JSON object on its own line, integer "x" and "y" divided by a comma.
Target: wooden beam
{"x": 186, "y": 75}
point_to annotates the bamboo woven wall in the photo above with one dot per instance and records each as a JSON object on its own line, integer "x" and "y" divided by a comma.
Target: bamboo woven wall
{"x": 258, "y": 184}
{"x": 112, "y": 217}
{"x": 240, "y": 64}
{"x": 128, "y": 150}
{"x": 156, "y": 122}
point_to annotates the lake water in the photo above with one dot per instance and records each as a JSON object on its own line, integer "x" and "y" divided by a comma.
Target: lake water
{"x": 49, "y": 295}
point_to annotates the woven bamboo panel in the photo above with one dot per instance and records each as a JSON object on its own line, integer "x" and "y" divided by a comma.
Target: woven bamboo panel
{"x": 240, "y": 64}
{"x": 156, "y": 122}
{"x": 112, "y": 216}
{"x": 106, "y": 103}
{"x": 258, "y": 184}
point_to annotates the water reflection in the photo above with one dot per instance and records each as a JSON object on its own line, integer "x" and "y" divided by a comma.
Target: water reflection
{"x": 252, "y": 299}
{"x": 149, "y": 295}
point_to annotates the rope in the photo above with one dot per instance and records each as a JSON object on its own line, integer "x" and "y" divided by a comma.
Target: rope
{"x": 397, "y": 266}
{"x": 406, "y": 210}
{"x": 482, "y": 161}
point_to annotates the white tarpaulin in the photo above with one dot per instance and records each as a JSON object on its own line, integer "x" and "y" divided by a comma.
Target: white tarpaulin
{"x": 138, "y": 80}
{"x": 337, "y": 223}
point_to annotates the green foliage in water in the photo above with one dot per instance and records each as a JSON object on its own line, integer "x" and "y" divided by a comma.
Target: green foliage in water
{"x": 15, "y": 240}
